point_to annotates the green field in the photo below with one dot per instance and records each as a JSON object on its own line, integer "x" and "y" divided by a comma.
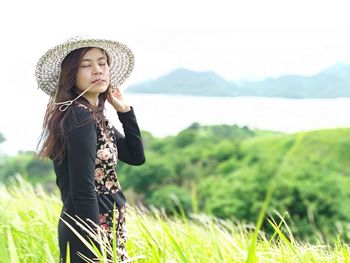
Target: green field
{"x": 29, "y": 216}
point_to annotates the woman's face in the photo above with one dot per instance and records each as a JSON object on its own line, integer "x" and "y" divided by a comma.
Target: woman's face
{"x": 93, "y": 70}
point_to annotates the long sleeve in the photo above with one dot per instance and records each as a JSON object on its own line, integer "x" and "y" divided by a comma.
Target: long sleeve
{"x": 130, "y": 147}
{"x": 81, "y": 155}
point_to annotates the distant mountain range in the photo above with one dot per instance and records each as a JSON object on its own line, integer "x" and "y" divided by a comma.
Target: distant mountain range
{"x": 330, "y": 83}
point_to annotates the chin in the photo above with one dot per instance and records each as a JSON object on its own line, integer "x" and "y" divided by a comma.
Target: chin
{"x": 104, "y": 88}
{"x": 101, "y": 88}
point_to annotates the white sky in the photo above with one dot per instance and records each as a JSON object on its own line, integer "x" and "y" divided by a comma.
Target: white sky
{"x": 236, "y": 39}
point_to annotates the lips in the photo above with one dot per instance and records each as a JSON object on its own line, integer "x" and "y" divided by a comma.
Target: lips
{"x": 97, "y": 80}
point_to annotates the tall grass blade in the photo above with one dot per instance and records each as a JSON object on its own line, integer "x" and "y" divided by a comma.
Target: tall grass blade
{"x": 12, "y": 248}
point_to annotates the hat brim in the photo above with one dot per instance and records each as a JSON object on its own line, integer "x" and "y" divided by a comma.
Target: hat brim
{"x": 121, "y": 62}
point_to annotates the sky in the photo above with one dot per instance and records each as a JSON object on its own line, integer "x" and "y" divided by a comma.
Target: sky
{"x": 238, "y": 40}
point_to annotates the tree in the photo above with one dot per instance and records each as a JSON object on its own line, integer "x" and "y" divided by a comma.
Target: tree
{"x": 2, "y": 138}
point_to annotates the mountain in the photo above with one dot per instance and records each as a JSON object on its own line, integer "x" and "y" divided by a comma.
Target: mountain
{"x": 187, "y": 82}
{"x": 330, "y": 83}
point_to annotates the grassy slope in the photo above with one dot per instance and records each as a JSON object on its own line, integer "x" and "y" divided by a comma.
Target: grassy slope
{"x": 310, "y": 172}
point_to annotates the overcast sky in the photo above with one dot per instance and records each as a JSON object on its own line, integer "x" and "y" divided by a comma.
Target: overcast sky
{"x": 236, "y": 39}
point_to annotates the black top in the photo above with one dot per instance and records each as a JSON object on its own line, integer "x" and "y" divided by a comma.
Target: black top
{"x": 76, "y": 173}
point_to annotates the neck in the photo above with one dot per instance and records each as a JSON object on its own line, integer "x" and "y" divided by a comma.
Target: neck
{"x": 92, "y": 99}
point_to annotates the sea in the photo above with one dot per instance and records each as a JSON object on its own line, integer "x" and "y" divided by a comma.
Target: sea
{"x": 164, "y": 115}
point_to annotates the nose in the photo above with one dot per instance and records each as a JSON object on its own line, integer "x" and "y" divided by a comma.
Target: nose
{"x": 97, "y": 70}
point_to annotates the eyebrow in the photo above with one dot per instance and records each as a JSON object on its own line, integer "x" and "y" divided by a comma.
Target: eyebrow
{"x": 87, "y": 59}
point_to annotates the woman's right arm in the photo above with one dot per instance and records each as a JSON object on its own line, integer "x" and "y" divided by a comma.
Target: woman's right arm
{"x": 81, "y": 155}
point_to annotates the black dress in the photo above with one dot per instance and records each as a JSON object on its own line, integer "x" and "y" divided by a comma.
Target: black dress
{"x": 88, "y": 168}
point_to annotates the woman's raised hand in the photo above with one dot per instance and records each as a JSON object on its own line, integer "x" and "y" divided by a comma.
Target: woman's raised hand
{"x": 115, "y": 98}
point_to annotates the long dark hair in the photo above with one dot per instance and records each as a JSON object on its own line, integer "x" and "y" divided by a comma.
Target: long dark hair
{"x": 53, "y": 140}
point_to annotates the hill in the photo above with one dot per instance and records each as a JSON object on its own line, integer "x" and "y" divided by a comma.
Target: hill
{"x": 330, "y": 83}
{"x": 183, "y": 81}
{"x": 227, "y": 171}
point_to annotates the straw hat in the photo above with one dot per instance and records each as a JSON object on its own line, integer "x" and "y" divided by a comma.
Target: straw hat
{"x": 47, "y": 71}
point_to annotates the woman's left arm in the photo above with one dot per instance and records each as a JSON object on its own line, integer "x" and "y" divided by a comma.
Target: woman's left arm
{"x": 130, "y": 147}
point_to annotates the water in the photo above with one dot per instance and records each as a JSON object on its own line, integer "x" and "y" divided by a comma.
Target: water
{"x": 164, "y": 115}
{"x": 167, "y": 115}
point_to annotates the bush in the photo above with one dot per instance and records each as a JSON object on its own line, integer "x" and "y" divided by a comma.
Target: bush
{"x": 172, "y": 198}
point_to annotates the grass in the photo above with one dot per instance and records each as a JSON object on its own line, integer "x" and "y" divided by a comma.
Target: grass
{"x": 28, "y": 233}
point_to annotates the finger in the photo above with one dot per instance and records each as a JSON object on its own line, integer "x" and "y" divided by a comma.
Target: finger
{"x": 117, "y": 94}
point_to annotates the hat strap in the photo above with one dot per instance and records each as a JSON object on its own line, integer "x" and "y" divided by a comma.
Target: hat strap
{"x": 67, "y": 103}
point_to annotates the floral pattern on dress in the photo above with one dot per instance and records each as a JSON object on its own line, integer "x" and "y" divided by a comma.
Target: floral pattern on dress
{"x": 106, "y": 181}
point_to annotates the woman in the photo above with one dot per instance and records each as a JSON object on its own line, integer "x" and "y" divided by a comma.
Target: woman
{"x": 80, "y": 75}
